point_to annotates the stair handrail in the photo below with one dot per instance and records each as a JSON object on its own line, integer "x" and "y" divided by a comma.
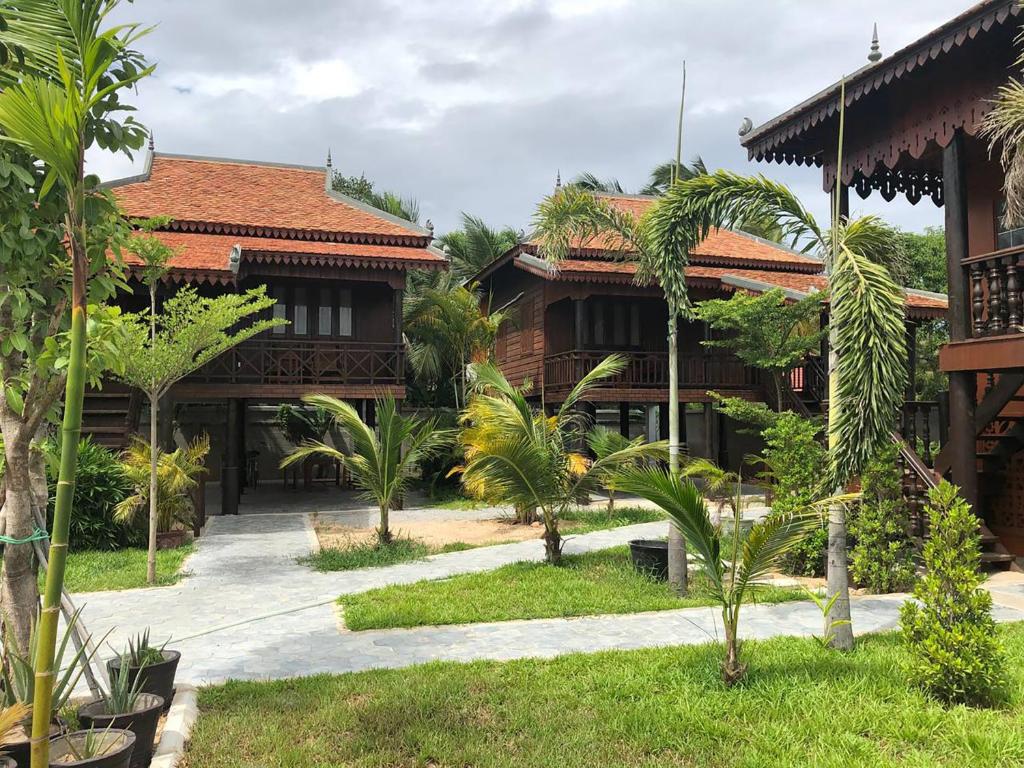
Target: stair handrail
{"x": 915, "y": 463}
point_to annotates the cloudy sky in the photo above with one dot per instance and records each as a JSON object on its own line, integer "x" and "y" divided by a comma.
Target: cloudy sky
{"x": 474, "y": 105}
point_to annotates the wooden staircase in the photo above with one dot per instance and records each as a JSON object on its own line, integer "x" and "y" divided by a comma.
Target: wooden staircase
{"x": 111, "y": 415}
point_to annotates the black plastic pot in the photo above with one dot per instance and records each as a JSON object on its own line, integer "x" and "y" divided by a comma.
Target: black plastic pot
{"x": 157, "y": 678}
{"x": 142, "y": 722}
{"x": 119, "y": 755}
{"x": 650, "y": 556}
{"x": 21, "y": 751}
{"x": 7, "y": 762}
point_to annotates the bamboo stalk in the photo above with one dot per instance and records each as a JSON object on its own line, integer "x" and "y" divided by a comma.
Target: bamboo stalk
{"x": 71, "y": 429}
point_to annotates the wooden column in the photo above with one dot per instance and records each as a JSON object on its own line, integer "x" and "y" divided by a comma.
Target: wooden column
{"x": 712, "y": 433}
{"x": 230, "y": 481}
{"x": 165, "y": 427}
{"x": 962, "y": 384}
{"x": 911, "y": 360}
{"x": 397, "y": 321}
{"x": 663, "y": 421}
{"x": 580, "y": 319}
{"x": 624, "y": 419}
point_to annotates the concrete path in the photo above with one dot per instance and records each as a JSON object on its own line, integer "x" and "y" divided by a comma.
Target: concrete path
{"x": 249, "y": 611}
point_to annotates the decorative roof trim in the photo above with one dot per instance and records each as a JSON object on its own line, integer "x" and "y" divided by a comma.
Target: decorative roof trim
{"x": 763, "y": 140}
{"x": 286, "y": 233}
{"x": 761, "y": 286}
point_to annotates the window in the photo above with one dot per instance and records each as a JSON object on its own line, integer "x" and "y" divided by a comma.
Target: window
{"x": 345, "y": 312}
{"x": 300, "y": 325}
{"x": 325, "y": 313}
{"x": 1006, "y": 237}
{"x": 280, "y": 310}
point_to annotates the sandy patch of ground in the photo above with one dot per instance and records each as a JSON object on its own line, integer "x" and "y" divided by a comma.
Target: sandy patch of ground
{"x": 433, "y": 533}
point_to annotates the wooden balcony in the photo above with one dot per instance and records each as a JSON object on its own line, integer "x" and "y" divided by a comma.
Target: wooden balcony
{"x": 271, "y": 367}
{"x": 646, "y": 376}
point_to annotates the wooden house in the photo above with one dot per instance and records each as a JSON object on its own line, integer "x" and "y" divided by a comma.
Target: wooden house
{"x": 912, "y": 123}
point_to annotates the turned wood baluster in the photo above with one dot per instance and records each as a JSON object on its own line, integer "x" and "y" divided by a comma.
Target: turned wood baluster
{"x": 995, "y": 297}
{"x": 978, "y": 298}
{"x": 1014, "y": 319}
{"x": 926, "y": 429}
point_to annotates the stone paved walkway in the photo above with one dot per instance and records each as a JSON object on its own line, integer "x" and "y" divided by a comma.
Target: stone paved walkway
{"x": 249, "y": 611}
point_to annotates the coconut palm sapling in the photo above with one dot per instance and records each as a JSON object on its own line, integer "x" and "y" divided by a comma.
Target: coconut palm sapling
{"x": 516, "y": 454}
{"x": 382, "y": 462}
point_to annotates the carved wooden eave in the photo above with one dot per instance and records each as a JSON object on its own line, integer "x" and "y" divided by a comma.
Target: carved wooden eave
{"x": 901, "y": 110}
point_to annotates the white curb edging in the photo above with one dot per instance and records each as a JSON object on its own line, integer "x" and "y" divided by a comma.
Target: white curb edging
{"x": 178, "y": 726}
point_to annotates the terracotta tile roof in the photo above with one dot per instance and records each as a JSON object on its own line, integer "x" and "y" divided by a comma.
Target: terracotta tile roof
{"x": 728, "y": 278}
{"x": 722, "y": 246}
{"x": 254, "y": 195}
{"x": 208, "y": 254}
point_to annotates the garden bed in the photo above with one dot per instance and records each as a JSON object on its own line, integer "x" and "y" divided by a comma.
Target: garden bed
{"x": 802, "y": 705}
{"x": 594, "y": 583}
{"x": 345, "y": 547}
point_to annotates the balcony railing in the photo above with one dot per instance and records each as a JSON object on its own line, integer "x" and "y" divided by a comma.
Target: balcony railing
{"x": 649, "y": 370}
{"x": 306, "y": 362}
{"x": 997, "y": 305}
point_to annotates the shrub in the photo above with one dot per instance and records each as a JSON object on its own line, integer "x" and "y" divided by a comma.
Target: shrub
{"x": 955, "y": 654}
{"x": 100, "y": 485}
{"x": 882, "y": 556}
{"x": 796, "y": 460}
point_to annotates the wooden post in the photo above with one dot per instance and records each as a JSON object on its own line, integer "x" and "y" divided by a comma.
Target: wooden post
{"x": 911, "y": 360}
{"x": 624, "y": 419}
{"x": 962, "y": 384}
{"x": 663, "y": 421}
{"x": 397, "y": 321}
{"x": 712, "y": 433}
{"x": 229, "y": 480}
{"x": 580, "y": 315}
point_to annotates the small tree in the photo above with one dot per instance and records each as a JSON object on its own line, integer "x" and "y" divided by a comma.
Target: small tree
{"x": 382, "y": 463}
{"x": 162, "y": 348}
{"x": 950, "y": 634}
{"x": 733, "y": 575}
{"x": 766, "y": 331}
{"x": 519, "y": 455}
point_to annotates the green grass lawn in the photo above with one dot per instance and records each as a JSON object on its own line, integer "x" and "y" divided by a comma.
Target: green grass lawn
{"x": 801, "y": 706}
{"x": 403, "y": 550}
{"x": 98, "y": 571}
{"x": 594, "y": 583}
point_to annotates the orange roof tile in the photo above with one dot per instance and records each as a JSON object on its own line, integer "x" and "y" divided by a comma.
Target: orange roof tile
{"x": 209, "y": 253}
{"x": 246, "y": 194}
{"x": 580, "y": 270}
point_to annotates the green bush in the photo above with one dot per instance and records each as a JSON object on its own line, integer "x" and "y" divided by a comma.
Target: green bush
{"x": 882, "y": 556}
{"x": 955, "y": 653}
{"x": 796, "y": 459}
{"x": 100, "y": 484}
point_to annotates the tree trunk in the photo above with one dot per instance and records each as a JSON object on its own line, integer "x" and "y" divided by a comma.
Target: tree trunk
{"x": 154, "y": 449}
{"x": 732, "y": 670}
{"x": 71, "y": 429}
{"x": 778, "y": 392}
{"x": 837, "y": 569}
{"x": 384, "y": 531}
{"x": 678, "y": 578}
{"x": 552, "y": 545}
{"x": 19, "y": 591}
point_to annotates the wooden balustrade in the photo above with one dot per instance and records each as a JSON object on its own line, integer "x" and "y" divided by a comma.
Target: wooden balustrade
{"x": 306, "y": 362}
{"x": 997, "y": 305}
{"x": 916, "y": 429}
{"x": 649, "y": 370}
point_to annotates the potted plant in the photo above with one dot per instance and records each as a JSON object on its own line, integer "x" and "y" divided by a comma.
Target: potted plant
{"x": 177, "y": 474}
{"x": 17, "y": 675}
{"x": 155, "y": 666}
{"x": 128, "y": 708}
{"x": 11, "y": 719}
{"x": 650, "y": 556}
{"x": 109, "y": 748}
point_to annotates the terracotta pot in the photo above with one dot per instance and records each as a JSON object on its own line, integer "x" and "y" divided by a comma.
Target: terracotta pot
{"x": 142, "y": 722}
{"x": 118, "y": 756}
{"x": 156, "y": 678}
{"x": 171, "y": 539}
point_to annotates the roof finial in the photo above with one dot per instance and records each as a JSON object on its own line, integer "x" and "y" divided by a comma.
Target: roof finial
{"x": 151, "y": 145}
{"x": 876, "y": 52}
{"x": 558, "y": 178}
{"x": 430, "y": 227}
{"x": 328, "y": 157}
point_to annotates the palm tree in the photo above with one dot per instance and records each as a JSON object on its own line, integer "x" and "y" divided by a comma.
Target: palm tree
{"x": 663, "y": 175}
{"x": 733, "y": 575}
{"x": 381, "y": 463}
{"x": 518, "y": 455}
{"x": 177, "y": 474}
{"x": 867, "y": 340}
{"x": 718, "y": 484}
{"x": 475, "y": 245}
{"x": 603, "y": 442}
{"x": 592, "y": 183}
{"x": 573, "y": 216}
{"x": 446, "y": 330}
{"x": 55, "y": 103}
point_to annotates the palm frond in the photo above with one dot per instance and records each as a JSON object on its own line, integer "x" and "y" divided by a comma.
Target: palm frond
{"x": 574, "y": 217}
{"x": 768, "y": 541}
{"x": 608, "y": 367}
{"x": 1004, "y": 129}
